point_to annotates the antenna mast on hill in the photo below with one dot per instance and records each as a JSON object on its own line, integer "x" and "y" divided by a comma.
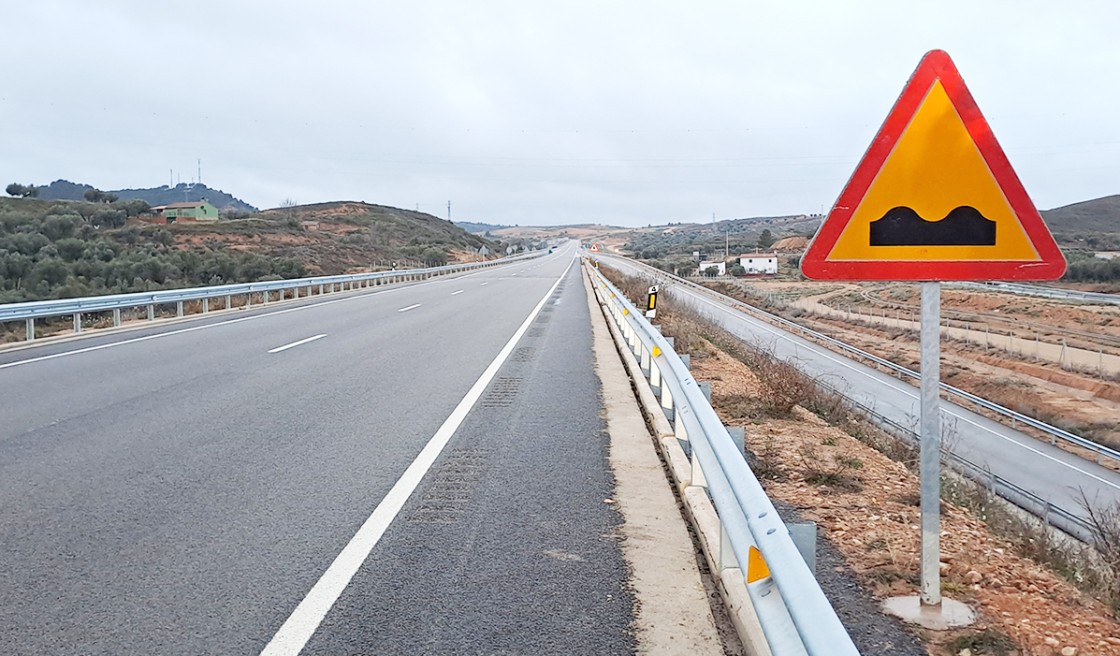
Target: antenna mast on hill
{"x": 199, "y": 171}
{"x": 448, "y": 210}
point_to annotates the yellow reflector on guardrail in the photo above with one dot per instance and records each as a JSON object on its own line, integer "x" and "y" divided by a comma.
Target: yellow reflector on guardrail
{"x": 756, "y": 566}
{"x": 656, "y": 351}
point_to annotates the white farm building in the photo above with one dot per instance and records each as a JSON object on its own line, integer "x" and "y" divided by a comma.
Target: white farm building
{"x": 759, "y": 263}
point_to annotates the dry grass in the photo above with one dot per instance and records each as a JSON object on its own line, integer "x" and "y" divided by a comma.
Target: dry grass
{"x": 1095, "y": 570}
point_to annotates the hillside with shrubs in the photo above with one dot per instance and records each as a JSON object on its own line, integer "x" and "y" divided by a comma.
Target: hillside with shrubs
{"x": 61, "y": 249}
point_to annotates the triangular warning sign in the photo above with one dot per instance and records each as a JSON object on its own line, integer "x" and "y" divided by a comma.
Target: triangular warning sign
{"x": 934, "y": 198}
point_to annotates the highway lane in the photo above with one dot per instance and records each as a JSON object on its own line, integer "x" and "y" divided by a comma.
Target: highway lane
{"x": 182, "y": 492}
{"x": 505, "y": 548}
{"x": 1047, "y": 471}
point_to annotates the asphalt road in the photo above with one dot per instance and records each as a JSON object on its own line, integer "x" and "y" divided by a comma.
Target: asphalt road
{"x": 182, "y": 489}
{"x": 1045, "y": 470}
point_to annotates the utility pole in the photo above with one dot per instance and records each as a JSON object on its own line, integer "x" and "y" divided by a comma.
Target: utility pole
{"x": 448, "y": 210}
{"x": 200, "y": 171}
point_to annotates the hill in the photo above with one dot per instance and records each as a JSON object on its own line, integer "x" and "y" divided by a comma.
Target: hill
{"x": 712, "y": 239}
{"x": 66, "y": 190}
{"x": 479, "y": 228}
{"x": 355, "y": 233}
{"x": 1093, "y": 224}
{"x": 60, "y": 249}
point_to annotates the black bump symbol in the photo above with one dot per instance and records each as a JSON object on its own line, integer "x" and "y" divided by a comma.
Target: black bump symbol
{"x": 964, "y": 226}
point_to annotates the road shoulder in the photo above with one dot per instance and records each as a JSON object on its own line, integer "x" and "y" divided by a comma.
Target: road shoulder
{"x": 673, "y": 613}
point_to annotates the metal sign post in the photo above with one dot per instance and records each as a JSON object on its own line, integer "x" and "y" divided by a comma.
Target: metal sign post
{"x": 930, "y": 459}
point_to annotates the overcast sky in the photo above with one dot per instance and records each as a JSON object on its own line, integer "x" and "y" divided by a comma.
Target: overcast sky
{"x": 535, "y": 112}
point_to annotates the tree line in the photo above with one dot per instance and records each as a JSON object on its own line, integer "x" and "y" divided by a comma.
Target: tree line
{"x": 67, "y": 249}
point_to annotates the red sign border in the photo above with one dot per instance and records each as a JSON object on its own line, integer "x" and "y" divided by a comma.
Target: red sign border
{"x": 935, "y": 65}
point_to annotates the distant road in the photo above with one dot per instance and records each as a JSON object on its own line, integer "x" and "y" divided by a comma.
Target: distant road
{"x": 1045, "y": 470}
{"x": 181, "y": 489}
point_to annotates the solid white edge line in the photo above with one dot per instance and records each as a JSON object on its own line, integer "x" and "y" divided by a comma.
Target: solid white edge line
{"x": 411, "y": 307}
{"x": 290, "y": 639}
{"x": 295, "y": 344}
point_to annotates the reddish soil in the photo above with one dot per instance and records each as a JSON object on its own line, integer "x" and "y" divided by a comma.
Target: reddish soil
{"x": 872, "y": 518}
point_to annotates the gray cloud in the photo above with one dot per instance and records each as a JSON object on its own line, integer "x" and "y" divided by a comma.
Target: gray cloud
{"x": 524, "y": 112}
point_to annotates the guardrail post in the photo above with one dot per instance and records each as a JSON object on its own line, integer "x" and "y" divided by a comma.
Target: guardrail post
{"x": 205, "y": 305}
{"x": 116, "y": 317}
{"x": 29, "y": 324}
{"x": 264, "y": 297}
{"x": 705, "y": 389}
{"x": 655, "y": 378}
{"x": 77, "y": 322}
{"x": 727, "y": 559}
{"x": 249, "y": 300}
{"x": 698, "y": 479}
{"x": 320, "y": 290}
{"x": 229, "y": 302}
{"x": 151, "y": 311}
{"x": 179, "y": 309}
{"x": 667, "y": 403}
{"x": 739, "y": 437}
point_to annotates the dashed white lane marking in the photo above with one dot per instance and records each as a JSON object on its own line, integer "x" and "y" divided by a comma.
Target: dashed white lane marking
{"x": 295, "y": 344}
{"x": 484, "y": 284}
{"x": 305, "y": 619}
{"x": 227, "y": 322}
{"x": 411, "y": 307}
{"x": 459, "y": 291}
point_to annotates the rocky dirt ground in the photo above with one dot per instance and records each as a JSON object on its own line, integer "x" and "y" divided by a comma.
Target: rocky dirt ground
{"x": 866, "y": 505}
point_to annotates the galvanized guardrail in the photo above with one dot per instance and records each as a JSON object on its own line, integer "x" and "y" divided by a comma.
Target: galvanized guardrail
{"x": 1053, "y": 432}
{"x": 796, "y": 617}
{"x": 76, "y": 307}
{"x": 1041, "y": 291}
{"x": 1042, "y": 508}
{"x": 1048, "y": 512}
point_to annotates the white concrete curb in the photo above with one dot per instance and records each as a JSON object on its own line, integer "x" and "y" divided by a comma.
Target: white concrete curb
{"x": 697, "y": 506}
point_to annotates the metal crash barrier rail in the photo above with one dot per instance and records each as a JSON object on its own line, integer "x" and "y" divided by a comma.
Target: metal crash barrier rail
{"x": 1061, "y": 518}
{"x": 795, "y": 615}
{"x": 76, "y": 307}
{"x": 1053, "y": 432}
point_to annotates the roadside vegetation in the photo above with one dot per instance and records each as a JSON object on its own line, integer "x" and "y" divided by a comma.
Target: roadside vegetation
{"x": 782, "y": 407}
{"x": 61, "y": 249}
{"x": 103, "y": 245}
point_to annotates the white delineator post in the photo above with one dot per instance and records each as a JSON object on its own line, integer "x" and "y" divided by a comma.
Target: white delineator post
{"x": 930, "y": 460}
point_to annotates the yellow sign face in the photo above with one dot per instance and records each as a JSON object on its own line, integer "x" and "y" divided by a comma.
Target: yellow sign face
{"x": 935, "y": 174}
{"x": 934, "y": 198}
